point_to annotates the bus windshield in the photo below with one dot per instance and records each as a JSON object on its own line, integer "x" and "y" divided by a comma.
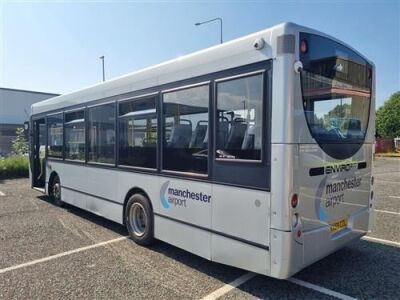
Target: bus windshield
{"x": 336, "y": 87}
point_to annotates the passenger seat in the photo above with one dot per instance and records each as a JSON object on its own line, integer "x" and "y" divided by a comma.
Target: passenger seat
{"x": 250, "y": 141}
{"x": 181, "y": 135}
{"x": 199, "y": 136}
{"x": 222, "y": 135}
{"x": 236, "y": 135}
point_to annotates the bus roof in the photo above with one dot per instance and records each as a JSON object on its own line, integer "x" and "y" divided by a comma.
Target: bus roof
{"x": 224, "y": 56}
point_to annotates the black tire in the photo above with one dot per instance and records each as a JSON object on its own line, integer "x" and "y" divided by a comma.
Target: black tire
{"x": 139, "y": 220}
{"x": 55, "y": 191}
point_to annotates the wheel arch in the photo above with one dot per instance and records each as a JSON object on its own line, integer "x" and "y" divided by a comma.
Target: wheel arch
{"x": 131, "y": 192}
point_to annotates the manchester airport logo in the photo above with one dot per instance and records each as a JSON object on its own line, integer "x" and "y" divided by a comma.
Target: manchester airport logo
{"x": 174, "y": 197}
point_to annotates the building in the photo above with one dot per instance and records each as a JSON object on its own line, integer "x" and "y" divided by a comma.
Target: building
{"x": 15, "y": 107}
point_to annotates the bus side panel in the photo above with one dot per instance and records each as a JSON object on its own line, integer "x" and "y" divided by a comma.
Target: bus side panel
{"x": 243, "y": 214}
{"x": 282, "y": 164}
{"x": 238, "y": 254}
{"x": 93, "y": 189}
{"x": 183, "y": 236}
{"x": 72, "y": 176}
{"x": 183, "y": 214}
{"x": 103, "y": 183}
{"x": 73, "y": 198}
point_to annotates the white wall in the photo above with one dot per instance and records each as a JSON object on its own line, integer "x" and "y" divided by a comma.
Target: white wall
{"x": 15, "y": 105}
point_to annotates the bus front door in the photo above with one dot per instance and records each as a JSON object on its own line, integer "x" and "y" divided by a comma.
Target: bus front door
{"x": 38, "y": 159}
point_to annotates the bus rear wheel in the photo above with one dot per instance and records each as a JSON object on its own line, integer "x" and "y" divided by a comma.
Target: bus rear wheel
{"x": 55, "y": 191}
{"x": 139, "y": 220}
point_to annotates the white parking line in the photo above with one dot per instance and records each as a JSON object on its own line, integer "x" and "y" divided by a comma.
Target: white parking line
{"x": 217, "y": 293}
{"x": 246, "y": 277}
{"x": 2, "y": 194}
{"x": 320, "y": 289}
{"x": 44, "y": 259}
{"x": 387, "y": 212}
{"x": 381, "y": 241}
{"x": 230, "y": 286}
{"x": 396, "y": 197}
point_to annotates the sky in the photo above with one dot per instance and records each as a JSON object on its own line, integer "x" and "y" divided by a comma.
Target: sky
{"x": 54, "y": 46}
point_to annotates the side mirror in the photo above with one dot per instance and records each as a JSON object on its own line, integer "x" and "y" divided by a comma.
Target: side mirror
{"x": 26, "y": 125}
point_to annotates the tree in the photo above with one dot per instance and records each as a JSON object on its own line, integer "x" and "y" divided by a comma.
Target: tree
{"x": 340, "y": 111}
{"x": 388, "y": 117}
{"x": 19, "y": 143}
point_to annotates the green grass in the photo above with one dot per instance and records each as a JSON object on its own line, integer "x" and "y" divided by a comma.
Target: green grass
{"x": 14, "y": 166}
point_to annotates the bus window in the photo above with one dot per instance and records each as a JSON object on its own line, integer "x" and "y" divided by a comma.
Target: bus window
{"x": 339, "y": 119}
{"x": 336, "y": 87}
{"x": 101, "y": 145}
{"x": 75, "y": 135}
{"x": 185, "y": 143}
{"x": 239, "y": 120}
{"x": 55, "y": 135}
{"x": 138, "y": 133}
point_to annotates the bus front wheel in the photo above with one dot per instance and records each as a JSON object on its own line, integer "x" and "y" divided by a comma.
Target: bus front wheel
{"x": 55, "y": 191}
{"x": 139, "y": 220}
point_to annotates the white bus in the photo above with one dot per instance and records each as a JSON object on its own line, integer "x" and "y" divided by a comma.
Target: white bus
{"x": 256, "y": 153}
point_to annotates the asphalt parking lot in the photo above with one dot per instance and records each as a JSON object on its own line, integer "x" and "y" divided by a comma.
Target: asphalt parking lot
{"x": 51, "y": 252}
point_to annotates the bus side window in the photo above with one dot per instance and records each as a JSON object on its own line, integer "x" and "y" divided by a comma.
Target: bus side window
{"x": 185, "y": 144}
{"x": 239, "y": 122}
{"x": 101, "y": 143}
{"x": 74, "y": 127}
{"x": 55, "y": 135}
{"x": 138, "y": 133}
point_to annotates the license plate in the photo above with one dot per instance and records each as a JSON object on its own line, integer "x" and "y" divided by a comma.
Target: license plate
{"x": 339, "y": 225}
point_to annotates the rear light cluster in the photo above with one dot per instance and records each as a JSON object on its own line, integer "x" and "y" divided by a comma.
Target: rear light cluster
{"x": 294, "y": 201}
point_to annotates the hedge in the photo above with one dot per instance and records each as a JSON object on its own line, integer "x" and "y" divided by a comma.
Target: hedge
{"x": 14, "y": 166}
